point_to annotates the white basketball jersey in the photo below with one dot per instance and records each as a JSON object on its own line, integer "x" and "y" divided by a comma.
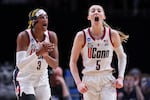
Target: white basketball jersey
{"x": 97, "y": 53}
{"x": 38, "y": 67}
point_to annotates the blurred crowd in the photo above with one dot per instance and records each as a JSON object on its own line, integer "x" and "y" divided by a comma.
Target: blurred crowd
{"x": 7, "y": 91}
{"x": 136, "y": 84}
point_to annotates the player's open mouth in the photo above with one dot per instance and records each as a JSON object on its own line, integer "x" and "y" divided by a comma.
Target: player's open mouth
{"x": 96, "y": 18}
{"x": 44, "y": 24}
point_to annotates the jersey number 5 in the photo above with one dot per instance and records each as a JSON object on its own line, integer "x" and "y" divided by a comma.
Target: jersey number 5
{"x": 98, "y": 65}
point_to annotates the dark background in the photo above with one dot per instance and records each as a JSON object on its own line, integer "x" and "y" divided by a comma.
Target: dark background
{"x": 66, "y": 17}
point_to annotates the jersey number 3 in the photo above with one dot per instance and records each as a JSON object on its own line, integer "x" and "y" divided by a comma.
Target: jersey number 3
{"x": 39, "y": 65}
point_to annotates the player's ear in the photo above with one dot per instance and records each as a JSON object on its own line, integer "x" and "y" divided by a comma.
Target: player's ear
{"x": 88, "y": 17}
{"x": 104, "y": 17}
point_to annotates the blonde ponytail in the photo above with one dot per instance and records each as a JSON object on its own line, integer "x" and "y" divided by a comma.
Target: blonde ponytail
{"x": 123, "y": 36}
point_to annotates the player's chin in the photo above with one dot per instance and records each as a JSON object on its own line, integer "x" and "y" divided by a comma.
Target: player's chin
{"x": 44, "y": 28}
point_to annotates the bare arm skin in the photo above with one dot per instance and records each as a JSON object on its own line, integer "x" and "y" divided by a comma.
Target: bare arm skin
{"x": 76, "y": 49}
{"x": 115, "y": 38}
{"x": 22, "y": 41}
{"x": 53, "y": 58}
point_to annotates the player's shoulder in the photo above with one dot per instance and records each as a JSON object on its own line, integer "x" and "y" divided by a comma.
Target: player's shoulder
{"x": 79, "y": 34}
{"x": 52, "y": 33}
{"x": 82, "y": 32}
{"x": 114, "y": 33}
{"x": 23, "y": 34}
{"x": 23, "y": 37}
{"x": 115, "y": 37}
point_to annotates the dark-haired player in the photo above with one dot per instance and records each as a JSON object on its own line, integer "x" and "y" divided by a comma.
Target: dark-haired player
{"x": 36, "y": 49}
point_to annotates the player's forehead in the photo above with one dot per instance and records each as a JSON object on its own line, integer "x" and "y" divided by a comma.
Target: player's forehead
{"x": 96, "y": 7}
{"x": 42, "y": 16}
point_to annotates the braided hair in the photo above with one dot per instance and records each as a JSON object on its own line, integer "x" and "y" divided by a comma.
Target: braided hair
{"x": 32, "y": 18}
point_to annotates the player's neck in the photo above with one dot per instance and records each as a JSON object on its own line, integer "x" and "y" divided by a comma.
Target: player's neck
{"x": 97, "y": 33}
{"x": 97, "y": 30}
{"x": 39, "y": 35}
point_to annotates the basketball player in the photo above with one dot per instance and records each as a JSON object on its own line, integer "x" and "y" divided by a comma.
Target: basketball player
{"x": 96, "y": 45}
{"x": 36, "y": 49}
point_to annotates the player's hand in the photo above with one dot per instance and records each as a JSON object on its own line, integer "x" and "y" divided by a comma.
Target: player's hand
{"x": 82, "y": 88}
{"x": 44, "y": 48}
{"x": 40, "y": 49}
{"x": 119, "y": 82}
{"x": 49, "y": 47}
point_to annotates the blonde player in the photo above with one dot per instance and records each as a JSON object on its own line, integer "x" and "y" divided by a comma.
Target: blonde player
{"x": 96, "y": 45}
{"x": 36, "y": 49}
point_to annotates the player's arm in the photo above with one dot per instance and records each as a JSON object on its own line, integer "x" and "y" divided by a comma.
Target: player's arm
{"x": 120, "y": 53}
{"x": 53, "y": 58}
{"x": 21, "y": 51}
{"x": 75, "y": 52}
{"x": 118, "y": 48}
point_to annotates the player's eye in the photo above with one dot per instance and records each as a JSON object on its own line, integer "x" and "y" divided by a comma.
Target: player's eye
{"x": 43, "y": 17}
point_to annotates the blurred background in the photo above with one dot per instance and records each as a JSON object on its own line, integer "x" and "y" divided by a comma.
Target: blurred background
{"x": 66, "y": 18}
